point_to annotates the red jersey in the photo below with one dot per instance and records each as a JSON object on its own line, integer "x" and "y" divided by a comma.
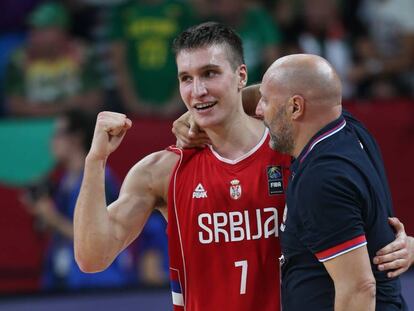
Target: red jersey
{"x": 223, "y": 220}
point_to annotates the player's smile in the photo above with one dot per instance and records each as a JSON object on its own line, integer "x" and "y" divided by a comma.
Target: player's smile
{"x": 205, "y": 108}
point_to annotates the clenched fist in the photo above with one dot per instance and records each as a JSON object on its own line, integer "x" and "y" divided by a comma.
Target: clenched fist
{"x": 110, "y": 129}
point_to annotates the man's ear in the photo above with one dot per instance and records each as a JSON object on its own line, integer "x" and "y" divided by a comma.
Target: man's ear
{"x": 242, "y": 72}
{"x": 297, "y": 106}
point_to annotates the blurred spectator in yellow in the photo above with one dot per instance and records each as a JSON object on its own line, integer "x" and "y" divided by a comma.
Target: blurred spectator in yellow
{"x": 53, "y": 71}
{"x": 142, "y": 34}
{"x": 385, "y": 54}
{"x": 323, "y": 34}
{"x": 260, "y": 35}
{"x": 54, "y": 208}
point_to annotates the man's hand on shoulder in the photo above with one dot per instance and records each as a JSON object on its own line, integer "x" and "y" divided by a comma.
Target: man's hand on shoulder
{"x": 188, "y": 134}
{"x": 398, "y": 256}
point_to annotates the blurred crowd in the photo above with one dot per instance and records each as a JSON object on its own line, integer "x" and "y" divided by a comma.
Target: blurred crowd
{"x": 71, "y": 58}
{"x": 115, "y": 54}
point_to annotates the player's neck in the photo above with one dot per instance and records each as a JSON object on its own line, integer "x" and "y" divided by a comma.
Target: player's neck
{"x": 237, "y": 136}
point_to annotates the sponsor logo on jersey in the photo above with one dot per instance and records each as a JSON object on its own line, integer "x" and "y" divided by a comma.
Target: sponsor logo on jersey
{"x": 274, "y": 179}
{"x": 199, "y": 192}
{"x": 235, "y": 189}
{"x": 238, "y": 225}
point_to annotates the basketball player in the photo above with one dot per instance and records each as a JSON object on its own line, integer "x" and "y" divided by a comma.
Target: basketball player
{"x": 223, "y": 202}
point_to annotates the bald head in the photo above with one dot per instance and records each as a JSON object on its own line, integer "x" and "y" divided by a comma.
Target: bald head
{"x": 307, "y": 75}
{"x": 301, "y": 94}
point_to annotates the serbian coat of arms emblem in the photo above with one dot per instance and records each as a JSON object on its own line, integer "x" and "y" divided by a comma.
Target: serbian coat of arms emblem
{"x": 235, "y": 189}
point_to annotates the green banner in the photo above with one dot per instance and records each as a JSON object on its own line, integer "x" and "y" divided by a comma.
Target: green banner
{"x": 25, "y": 150}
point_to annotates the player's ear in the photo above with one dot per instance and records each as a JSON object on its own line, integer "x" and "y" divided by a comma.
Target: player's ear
{"x": 242, "y": 72}
{"x": 296, "y": 106}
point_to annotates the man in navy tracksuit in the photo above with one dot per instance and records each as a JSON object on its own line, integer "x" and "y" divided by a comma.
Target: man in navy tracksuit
{"x": 338, "y": 200}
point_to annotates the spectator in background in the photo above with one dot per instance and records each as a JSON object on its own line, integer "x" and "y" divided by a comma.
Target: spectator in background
{"x": 323, "y": 34}
{"x": 142, "y": 33}
{"x": 260, "y": 35}
{"x": 53, "y": 72}
{"x": 384, "y": 54}
{"x": 72, "y": 138}
{"x": 151, "y": 249}
{"x": 12, "y": 34}
{"x": 201, "y": 9}
{"x": 286, "y": 14}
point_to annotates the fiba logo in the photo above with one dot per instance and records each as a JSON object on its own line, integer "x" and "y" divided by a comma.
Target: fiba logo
{"x": 274, "y": 172}
{"x": 274, "y": 179}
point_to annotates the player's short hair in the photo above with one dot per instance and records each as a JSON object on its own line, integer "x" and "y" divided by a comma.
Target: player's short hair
{"x": 80, "y": 122}
{"x": 208, "y": 34}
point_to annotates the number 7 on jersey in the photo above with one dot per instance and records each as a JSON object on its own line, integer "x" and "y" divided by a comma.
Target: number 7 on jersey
{"x": 243, "y": 264}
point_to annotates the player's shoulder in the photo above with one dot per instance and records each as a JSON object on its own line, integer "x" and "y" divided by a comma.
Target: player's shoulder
{"x": 159, "y": 161}
{"x": 156, "y": 165}
{"x": 187, "y": 154}
{"x": 153, "y": 171}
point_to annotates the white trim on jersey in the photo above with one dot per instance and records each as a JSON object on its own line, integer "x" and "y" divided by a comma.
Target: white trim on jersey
{"x": 178, "y": 225}
{"x": 343, "y": 252}
{"x": 246, "y": 155}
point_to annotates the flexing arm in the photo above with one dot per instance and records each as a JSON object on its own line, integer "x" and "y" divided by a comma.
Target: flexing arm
{"x": 353, "y": 280}
{"x": 101, "y": 232}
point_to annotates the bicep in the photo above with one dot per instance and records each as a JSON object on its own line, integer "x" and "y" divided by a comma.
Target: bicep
{"x": 143, "y": 190}
{"x": 137, "y": 199}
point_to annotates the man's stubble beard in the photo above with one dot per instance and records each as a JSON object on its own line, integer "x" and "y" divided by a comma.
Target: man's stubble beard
{"x": 282, "y": 141}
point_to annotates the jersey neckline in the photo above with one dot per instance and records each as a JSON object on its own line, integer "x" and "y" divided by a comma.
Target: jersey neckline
{"x": 246, "y": 155}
